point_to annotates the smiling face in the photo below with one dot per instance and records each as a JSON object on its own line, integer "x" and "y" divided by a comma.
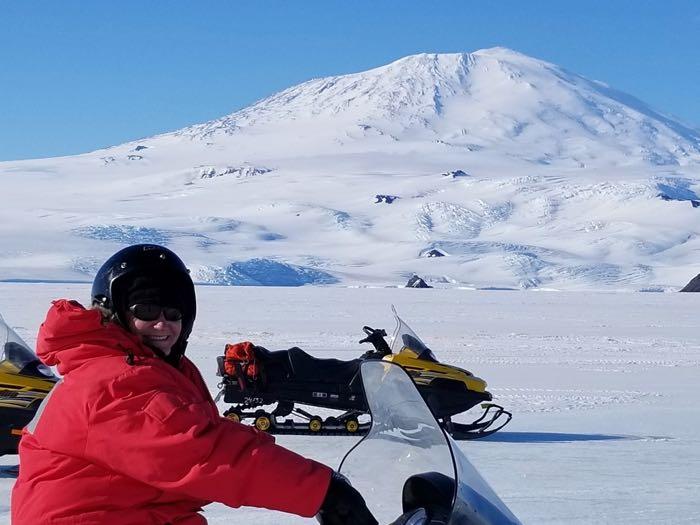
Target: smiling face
{"x": 160, "y": 334}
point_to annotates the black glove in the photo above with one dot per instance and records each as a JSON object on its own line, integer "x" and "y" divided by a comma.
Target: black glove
{"x": 343, "y": 505}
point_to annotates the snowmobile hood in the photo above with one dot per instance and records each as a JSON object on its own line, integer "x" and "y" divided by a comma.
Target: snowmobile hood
{"x": 72, "y": 335}
{"x": 18, "y": 359}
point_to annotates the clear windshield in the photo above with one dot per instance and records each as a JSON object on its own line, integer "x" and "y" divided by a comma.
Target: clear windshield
{"x": 17, "y": 352}
{"x": 405, "y": 440}
{"x": 475, "y": 497}
{"x": 405, "y": 339}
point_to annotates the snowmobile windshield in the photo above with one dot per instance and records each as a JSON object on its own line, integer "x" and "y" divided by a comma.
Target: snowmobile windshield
{"x": 406, "y": 340}
{"x": 16, "y": 352}
{"x": 404, "y": 439}
{"x": 405, "y": 442}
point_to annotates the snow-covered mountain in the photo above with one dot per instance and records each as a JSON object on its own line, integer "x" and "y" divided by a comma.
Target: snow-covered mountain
{"x": 493, "y": 99}
{"x": 484, "y": 169}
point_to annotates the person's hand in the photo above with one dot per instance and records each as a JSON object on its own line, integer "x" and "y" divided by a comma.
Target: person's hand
{"x": 343, "y": 505}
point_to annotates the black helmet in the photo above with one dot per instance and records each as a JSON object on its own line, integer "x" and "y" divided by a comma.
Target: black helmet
{"x": 118, "y": 273}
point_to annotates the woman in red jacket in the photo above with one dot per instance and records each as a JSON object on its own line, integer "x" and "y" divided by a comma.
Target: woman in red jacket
{"x": 131, "y": 435}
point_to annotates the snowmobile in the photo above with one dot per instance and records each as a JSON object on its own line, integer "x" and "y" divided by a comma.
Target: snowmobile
{"x": 406, "y": 447}
{"x": 254, "y": 378}
{"x": 24, "y": 383}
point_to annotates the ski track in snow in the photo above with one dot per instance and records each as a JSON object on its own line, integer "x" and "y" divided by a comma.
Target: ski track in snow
{"x": 524, "y": 400}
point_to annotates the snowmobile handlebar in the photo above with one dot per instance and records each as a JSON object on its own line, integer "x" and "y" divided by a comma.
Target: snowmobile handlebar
{"x": 376, "y": 337}
{"x": 372, "y": 332}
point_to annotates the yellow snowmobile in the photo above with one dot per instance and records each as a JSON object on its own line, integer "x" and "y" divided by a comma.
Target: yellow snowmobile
{"x": 255, "y": 378}
{"x": 24, "y": 383}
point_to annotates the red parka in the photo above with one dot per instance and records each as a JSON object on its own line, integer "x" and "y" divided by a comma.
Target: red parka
{"x": 135, "y": 441}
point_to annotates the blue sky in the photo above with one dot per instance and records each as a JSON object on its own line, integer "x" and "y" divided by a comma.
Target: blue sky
{"x": 76, "y": 76}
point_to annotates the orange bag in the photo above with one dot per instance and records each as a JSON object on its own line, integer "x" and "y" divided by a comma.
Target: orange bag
{"x": 241, "y": 356}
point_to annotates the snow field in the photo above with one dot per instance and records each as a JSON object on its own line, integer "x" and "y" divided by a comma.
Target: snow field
{"x": 603, "y": 386}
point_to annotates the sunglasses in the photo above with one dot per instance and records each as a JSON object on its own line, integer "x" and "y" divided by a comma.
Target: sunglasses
{"x": 151, "y": 312}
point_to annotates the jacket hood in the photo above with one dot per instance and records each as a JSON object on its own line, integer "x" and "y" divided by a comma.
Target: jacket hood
{"x": 72, "y": 335}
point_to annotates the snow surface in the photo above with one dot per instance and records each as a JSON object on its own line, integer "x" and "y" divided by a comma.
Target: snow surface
{"x": 603, "y": 386}
{"x": 562, "y": 182}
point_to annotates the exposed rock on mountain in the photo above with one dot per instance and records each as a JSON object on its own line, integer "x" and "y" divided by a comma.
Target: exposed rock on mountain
{"x": 417, "y": 282}
{"x": 693, "y": 285}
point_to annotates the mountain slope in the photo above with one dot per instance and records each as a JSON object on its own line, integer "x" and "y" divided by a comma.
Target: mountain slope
{"x": 484, "y": 169}
{"x": 496, "y": 99}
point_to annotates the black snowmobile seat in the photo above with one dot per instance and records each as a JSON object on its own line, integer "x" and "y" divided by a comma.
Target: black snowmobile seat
{"x": 306, "y": 367}
{"x": 274, "y": 364}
